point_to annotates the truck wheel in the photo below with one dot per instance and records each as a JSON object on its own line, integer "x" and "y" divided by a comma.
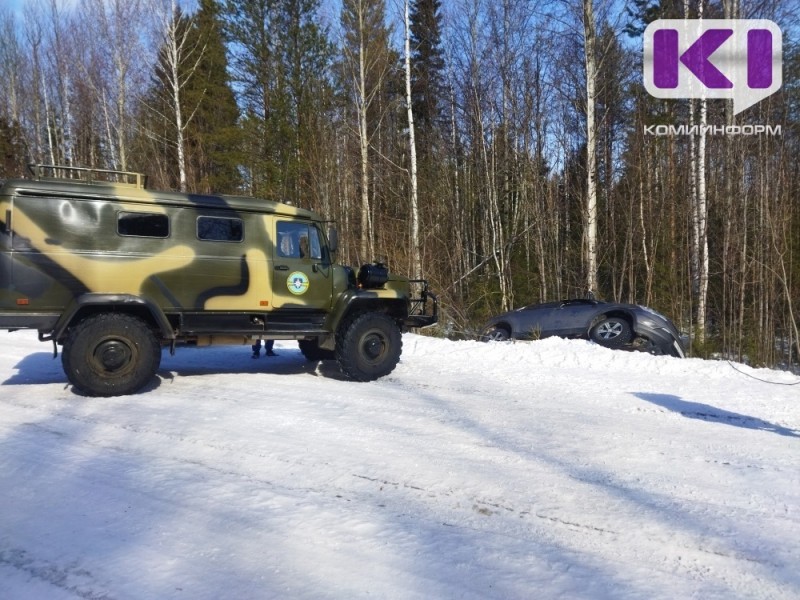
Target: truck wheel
{"x": 312, "y": 351}
{"x": 111, "y": 354}
{"x": 368, "y": 347}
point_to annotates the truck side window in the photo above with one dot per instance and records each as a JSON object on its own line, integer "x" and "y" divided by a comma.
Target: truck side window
{"x": 316, "y": 246}
{"x": 298, "y": 240}
{"x": 220, "y": 229}
{"x": 143, "y": 224}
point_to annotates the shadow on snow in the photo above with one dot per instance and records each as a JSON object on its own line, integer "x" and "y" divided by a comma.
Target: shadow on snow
{"x": 705, "y": 412}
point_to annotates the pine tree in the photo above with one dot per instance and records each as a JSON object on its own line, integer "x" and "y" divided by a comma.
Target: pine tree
{"x": 427, "y": 59}
{"x": 281, "y": 59}
{"x": 213, "y": 135}
{"x": 305, "y": 56}
{"x": 250, "y": 27}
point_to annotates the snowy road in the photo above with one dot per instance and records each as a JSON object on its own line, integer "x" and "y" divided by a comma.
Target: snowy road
{"x": 553, "y": 469}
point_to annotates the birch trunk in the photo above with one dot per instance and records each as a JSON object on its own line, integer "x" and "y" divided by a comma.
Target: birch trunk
{"x": 590, "y": 232}
{"x": 416, "y": 262}
{"x": 174, "y": 54}
{"x": 699, "y": 261}
{"x": 179, "y": 71}
{"x": 702, "y": 225}
{"x": 366, "y": 229}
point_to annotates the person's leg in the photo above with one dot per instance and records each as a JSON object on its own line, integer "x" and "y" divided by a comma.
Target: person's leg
{"x": 268, "y": 344}
{"x": 257, "y": 349}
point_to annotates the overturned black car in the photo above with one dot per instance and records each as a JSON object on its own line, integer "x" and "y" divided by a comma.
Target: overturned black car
{"x": 610, "y": 324}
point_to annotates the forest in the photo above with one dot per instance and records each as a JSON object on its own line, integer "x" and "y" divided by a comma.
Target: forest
{"x": 505, "y": 150}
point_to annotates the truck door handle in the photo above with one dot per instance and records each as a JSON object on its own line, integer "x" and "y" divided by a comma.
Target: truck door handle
{"x": 281, "y": 268}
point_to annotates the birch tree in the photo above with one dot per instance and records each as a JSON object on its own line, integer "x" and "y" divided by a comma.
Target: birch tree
{"x": 699, "y": 210}
{"x": 114, "y": 69}
{"x": 416, "y": 263}
{"x": 590, "y": 215}
{"x": 178, "y": 62}
{"x": 38, "y": 107}
{"x": 60, "y": 57}
{"x": 12, "y": 153}
{"x": 367, "y": 65}
{"x": 11, "y": 64}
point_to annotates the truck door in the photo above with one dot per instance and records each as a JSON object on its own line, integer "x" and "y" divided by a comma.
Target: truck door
{"x": 301, "y": 274}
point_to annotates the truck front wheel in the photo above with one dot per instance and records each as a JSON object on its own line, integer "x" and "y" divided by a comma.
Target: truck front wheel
{"x": 313, "y": 353}
{"x": 368, "y": 347}
{"x": 111, "y": 354}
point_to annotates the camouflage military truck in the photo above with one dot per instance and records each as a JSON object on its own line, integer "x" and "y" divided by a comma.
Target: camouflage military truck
{"x": 113, "y": 272}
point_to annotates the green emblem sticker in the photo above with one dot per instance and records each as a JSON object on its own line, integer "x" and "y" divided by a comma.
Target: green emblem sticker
{"x": 297, "y": 283}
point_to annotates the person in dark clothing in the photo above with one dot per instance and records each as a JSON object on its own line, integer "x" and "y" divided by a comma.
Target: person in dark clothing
{"x": 268, "y": 344}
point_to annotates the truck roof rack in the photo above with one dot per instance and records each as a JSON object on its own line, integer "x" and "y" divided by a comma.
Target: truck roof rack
{"x": 88, "y": 175}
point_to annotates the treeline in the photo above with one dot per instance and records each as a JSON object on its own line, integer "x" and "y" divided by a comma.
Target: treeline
{"x": 537, "y": 168}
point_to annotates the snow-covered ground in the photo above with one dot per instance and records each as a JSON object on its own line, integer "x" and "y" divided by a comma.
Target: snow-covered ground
{"x": 550, "y": 469}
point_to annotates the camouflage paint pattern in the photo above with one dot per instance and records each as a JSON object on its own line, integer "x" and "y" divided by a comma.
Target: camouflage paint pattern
{"x": 59, "y": 240}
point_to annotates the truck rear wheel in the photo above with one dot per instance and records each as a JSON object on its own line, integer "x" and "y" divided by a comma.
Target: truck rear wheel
{"x": 368, "y": 347}
{"x": 111, "y": 354}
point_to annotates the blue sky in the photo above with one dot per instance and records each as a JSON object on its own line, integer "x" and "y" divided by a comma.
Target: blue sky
{"x": 16, "y": 5}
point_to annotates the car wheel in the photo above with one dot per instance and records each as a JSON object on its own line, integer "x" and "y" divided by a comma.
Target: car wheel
{"x": 368, "y": 347}
{"x": 611, "y": 332}
{"x": 111, "y": 355}
{"x": 496, "y": 334}
{"x": 643, "y": 344}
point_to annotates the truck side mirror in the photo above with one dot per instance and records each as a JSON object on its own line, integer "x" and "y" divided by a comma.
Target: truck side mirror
{"x": 333, "y": 240}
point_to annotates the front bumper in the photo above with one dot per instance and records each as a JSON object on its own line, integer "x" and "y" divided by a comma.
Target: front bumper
{"x": 662, "y": 341}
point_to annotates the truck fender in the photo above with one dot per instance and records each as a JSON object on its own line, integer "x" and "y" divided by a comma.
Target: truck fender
{"x": 358, "y": 301}
{"x": 92, "y": 303}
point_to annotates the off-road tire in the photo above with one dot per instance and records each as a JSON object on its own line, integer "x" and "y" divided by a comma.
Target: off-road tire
{"x": 368, "y": 346}
{"x": 111, "y": 354}
{"x": 611, "y": 332}
{"x": 312, "y": 351}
